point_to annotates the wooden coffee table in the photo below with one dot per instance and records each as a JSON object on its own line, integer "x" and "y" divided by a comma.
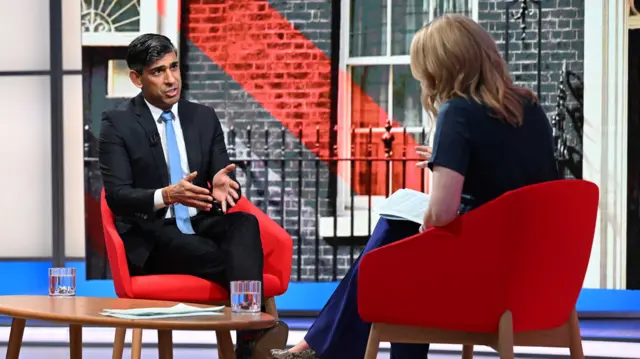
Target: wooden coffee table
{"x": 79, "y": 311}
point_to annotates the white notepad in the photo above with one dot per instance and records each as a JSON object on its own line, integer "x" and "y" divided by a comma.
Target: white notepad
{"x": 404, "y": 204}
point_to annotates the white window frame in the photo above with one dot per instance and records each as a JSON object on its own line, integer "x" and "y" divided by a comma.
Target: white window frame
{"x": 148, "y": 24}
{"x": 344, "y": 99}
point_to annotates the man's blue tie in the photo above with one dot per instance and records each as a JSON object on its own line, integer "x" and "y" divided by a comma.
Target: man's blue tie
{"x": 180, "y": 211}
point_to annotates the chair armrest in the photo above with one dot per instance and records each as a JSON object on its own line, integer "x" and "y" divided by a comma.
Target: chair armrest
{"x": 115, "y": 252}
{"x": 277, "y": 244}
{"x": 450, "y": 277}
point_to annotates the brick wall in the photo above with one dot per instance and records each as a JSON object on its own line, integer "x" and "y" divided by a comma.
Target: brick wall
{"x": 267, "y": 64}
{"x": 562, "y": 40}
{"x": 562, "y": 43}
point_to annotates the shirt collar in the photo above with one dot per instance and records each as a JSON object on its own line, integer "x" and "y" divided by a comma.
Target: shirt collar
{"x": 156, "y": 112}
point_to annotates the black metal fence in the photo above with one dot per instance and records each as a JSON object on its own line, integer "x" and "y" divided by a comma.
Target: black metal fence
{"x": 567, "y": 123}
{"x": 567, "y": 120}
{"x": 296, "y": 185}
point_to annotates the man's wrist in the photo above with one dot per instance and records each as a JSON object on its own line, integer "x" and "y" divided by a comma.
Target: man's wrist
{"x": 166, "y": 196}
{"x": 158, "y": 201}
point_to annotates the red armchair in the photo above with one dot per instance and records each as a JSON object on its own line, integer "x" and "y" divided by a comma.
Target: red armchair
{"x": 508, "y": 273}
{"x": 277, "y": 246}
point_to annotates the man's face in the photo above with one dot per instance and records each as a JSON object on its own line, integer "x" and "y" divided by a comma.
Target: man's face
{"x": 160, "y": 82}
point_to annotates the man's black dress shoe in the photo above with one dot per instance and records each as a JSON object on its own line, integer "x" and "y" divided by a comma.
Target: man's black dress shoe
{"x": 258, "y": 344}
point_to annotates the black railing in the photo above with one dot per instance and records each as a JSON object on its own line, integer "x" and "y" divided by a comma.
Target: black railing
{"x": 521, "y": 15}
{"x": 567, "y": 120}
{"x": 290, "y": 182}
{"x": 567, "y": 123}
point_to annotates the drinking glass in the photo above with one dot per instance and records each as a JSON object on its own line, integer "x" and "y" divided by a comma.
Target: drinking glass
{"x": 62, "y": 282}
{"x": 246, "y": 296}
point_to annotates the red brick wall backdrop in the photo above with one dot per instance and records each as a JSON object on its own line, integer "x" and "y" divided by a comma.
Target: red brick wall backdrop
{"x": 267, "y": 64}
{"x": 275, "y": 63}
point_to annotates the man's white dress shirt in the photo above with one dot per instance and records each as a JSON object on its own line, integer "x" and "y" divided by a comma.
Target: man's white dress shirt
{"x": 158, "y": 202}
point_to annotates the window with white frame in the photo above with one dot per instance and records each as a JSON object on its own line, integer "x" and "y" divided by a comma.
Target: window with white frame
{"x": 117, "y": 22}
{"x": 375, "y": 40}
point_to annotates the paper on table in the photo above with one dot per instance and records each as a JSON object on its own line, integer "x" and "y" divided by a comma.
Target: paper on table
{"x": 404, "y": 204}
{"x": 160, "y": 316}
{"x": 163, "y": 312}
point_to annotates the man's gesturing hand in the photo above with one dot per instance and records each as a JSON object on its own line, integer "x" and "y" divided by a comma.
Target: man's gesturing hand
{"x": 224, "y": 188}
{"x": 188, "y": 194}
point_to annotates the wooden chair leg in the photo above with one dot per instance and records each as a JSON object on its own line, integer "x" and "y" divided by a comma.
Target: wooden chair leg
{"x": 165, "y": 344}
{"x": 270, "y": 304}
{"x": 505, "y": 336}
{"x": 75, "y": 341}
{"x": 15, "y": 338}
{"x": 118, "y": 343}
{"x": 225, "y": 345}
{"x": 575, "y": 338}
{"x": 136, "y": 344}
{"x": 373, "y": 344}
{"x": 467, "y": 352}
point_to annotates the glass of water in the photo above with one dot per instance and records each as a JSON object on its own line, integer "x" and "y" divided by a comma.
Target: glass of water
{"x": 62, "y": 282}
{"x": 246, "y": 296}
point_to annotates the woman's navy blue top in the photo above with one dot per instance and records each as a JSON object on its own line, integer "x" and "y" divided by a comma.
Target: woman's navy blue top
{"x": 493, "y": 156}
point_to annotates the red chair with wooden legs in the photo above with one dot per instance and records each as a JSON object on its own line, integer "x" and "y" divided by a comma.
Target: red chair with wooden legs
{"x": 276, "y": 244}
{"x": 506, "y": 274}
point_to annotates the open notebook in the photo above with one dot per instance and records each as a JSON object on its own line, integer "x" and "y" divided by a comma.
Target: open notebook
{"x": 404, "y": 204}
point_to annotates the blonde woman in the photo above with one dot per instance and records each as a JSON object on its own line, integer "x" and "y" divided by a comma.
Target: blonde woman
{"x": 491, "y": 137}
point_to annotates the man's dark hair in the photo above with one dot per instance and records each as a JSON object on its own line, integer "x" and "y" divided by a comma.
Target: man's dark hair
{"x": 147, "y": 49}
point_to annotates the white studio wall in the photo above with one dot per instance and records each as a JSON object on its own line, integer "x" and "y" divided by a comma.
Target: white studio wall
{"x": 73, "y": 130}
{"x": 25, "y": 138}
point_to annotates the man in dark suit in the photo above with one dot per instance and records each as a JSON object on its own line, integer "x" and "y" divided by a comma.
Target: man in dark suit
{"x": 169, "y": 182}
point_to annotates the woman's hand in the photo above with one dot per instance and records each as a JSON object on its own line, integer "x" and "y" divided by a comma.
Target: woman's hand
{"x": 424, "y": 152}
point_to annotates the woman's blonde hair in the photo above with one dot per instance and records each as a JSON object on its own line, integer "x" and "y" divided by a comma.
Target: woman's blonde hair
{"x": 454, "y": 56}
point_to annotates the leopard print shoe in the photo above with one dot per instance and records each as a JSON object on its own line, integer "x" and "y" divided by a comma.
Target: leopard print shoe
{"x": 285, "y": 354}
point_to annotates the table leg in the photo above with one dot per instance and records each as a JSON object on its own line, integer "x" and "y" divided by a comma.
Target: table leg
{"x": 15, "y": 338}
{"x": 225, "y": 345}
{"x": 75, "y": 341}
{"x": 165, "y": 344}
{"x": 118, "y": 343}
{"x": 136, "y": 344}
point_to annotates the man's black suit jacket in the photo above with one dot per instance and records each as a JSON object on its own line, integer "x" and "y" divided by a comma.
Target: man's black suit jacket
{"x": 133, "y": 166}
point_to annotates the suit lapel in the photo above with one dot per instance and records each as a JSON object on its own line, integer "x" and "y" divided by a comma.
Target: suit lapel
{"x": 187, "y": 112}
{"x": 149, "y": 125}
